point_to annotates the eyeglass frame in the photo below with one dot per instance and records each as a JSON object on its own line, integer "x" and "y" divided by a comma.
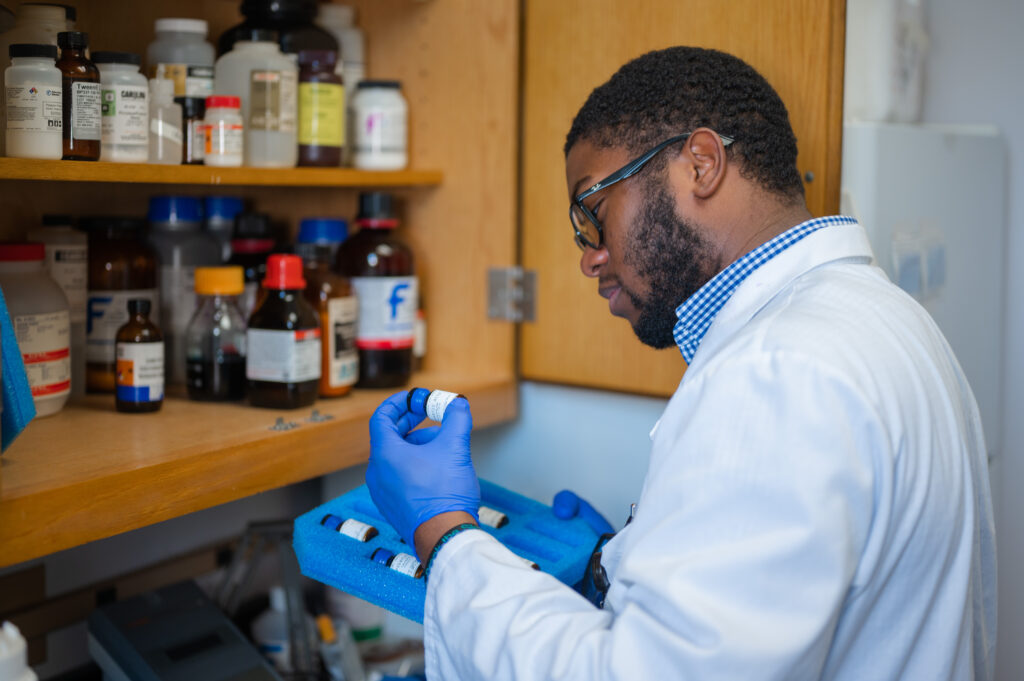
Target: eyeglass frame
{"x": 626, "y": 171}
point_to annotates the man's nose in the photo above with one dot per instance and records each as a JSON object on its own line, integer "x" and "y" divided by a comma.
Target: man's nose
{"x": 593, "y": 260}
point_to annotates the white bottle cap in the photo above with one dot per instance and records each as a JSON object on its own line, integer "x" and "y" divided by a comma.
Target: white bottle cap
{"x": 14, "y": 655}
{"x": 182, "y": 25}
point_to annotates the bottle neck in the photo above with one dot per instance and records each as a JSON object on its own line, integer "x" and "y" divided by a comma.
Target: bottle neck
{"x": 72, "y": 53}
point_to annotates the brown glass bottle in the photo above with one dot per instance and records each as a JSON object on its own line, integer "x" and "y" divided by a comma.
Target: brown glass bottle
{"x": 80, "y": 81}
{"x": 121, "y": 267}
{"x": 140, "y": 361}
{"x": 321, "y": 109}
{"x": 380, "y": 267}
{"x": 331, "y": 296}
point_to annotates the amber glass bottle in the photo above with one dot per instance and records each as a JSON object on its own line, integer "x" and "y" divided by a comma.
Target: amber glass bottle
{"x": 81, "y": 92}
{"x": 140, "y": 361}
{"x": 380, "y": 267}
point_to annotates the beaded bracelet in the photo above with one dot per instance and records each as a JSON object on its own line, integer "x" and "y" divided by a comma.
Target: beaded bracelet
{"x": 443, "y": 540}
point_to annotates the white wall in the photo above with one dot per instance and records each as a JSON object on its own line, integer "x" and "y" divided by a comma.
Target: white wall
{"x": 974, "y": 75}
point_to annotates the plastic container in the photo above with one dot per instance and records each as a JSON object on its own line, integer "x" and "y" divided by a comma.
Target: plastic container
{"x": 177, "y": 237}
{"x": 283, "y": 341}
{"x": 252, "y": 244}
{"x": 321, "y": 110}
{"x": 331, "y": 296}
{"x": 340, "y": 21}
{"x": 224, "y": 131}
{"x": 67, "y": 263}
{"x": 185, "y": 56}
{"x": 165, "y": 134}
{"x": 193, "y": 144}
{"x": 36, "y": 24}
{"x": 380, "y": 267}
{"x": 140, "y": 362}
{"x": 215, "y": 339}
{"x": 82, "y": 128}
{"x": 271, "y": 632}
{"x": 267, "y": 82}
{"x": 219, "y": 214}
{"x": 292, "y": 19}
{"x": 14, "y": 655}
{"x": 42, "y": 325}
{"x": 121, "y": 268}
{"x": 380, "y": 136}
{"x": 34, "y": 101}
{"x": 124, "y": 109}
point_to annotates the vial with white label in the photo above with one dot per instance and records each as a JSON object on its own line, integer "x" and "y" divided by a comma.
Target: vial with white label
{"x": 492, "y": 517}
{"x": 399, "y": 562}
{"x": 430, "y": 403}
{"x": 80, "y": 80}
{"x": 350, "y": 527}
{"x": 34, "y": 97}
{"x": 140, "y": 361}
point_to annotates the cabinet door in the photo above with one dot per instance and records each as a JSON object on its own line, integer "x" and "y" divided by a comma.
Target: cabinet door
{"x": 572, "y": 46}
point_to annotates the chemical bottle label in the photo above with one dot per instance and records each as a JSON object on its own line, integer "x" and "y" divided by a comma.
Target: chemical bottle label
{"x": 387, "y": 312}
{"x": 406, "y": 564}
{"x": 45, "y": 344}
{"x": 223, "y": 139}
{"x": 272, "y": 100}
{"x": 68, "y": 265}
{"x": 379, "y": 130}
{"x": 85, "y": 111}
{"x": 196, "y": 139}
{"x": 106, "y": 312}
{"x": 282, "y": 356}
{"x": 125, "y": 114}
{"x": 321, "y": 114}
{"x": 140, "y": 372}
{"x": 189, "y": 80}
{"x": 34, "y": 108}
{"x": 343, "y": 358}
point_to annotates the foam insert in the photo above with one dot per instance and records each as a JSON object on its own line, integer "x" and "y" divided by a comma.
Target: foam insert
{"x": 559, "y": 547}
{"x": 19, "y": 408}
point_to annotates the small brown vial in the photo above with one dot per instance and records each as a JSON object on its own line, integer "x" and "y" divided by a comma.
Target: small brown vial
{"x": 80, "y": 80}
{"x": 140, "y": 361}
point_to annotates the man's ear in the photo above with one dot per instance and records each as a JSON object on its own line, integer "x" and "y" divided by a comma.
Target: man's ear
{"x": 704, "y": 162}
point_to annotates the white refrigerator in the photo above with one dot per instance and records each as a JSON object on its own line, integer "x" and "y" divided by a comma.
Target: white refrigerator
{"x": 933, "y": 200}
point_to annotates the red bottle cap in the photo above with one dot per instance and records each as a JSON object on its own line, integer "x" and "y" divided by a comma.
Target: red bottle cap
{"x": 284, "y": 272}
{"x": 223, "y": 102}
{"x": 21, "y": 252}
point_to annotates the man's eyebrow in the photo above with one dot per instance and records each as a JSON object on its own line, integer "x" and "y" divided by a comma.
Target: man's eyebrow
{"x": 576, "y": 188}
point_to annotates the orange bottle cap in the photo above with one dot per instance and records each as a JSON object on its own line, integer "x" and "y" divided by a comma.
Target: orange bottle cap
{"x": 224, "y": 281}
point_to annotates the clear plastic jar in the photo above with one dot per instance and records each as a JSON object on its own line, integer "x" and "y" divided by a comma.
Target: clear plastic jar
{"x": 215, "y": 340}
{"x": 224, "y": 129}
{"x": 380, "y": 128}
{"x": 39, "y": 312}
{"x": 187, "y": 59}
{"x": 124, "y": 94}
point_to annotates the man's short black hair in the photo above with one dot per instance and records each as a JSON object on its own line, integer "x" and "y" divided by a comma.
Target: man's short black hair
{"x": 679, "y": 89}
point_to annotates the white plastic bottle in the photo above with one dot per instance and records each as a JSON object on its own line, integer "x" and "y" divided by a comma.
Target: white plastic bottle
{"x": 124, "y": 95}
{"x": 267, "y": 82}
{"x": 165, "y": 136}
{"x": 186, "y": 58}
{"x": 224, "y": 131}
{"x": 270, "y": 631}
{"x": 67, "y": 263}
{"x": 33, "y": 97}
{"x": 39, "y": 312}
{"x": 379, "y": 126}
{"x": 14, "y": 655}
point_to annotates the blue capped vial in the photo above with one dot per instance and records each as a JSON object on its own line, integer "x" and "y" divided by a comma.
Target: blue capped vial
{"x": 430, "y": 403}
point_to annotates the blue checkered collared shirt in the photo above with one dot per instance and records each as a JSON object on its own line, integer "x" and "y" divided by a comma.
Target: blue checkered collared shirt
{"x": 699, "y": 310}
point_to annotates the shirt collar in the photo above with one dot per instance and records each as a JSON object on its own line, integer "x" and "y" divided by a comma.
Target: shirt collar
{"x": 699, "y": 310}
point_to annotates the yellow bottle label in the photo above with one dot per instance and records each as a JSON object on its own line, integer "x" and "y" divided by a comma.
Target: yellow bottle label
{"x": 321, "y": 114}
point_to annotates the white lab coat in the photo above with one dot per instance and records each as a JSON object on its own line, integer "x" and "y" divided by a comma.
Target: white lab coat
{"x": 817, "y": 506}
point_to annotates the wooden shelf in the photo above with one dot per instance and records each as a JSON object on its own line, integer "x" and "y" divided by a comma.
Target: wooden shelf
{"x": 90, "y": 472}
{"x": 141, "y": 173}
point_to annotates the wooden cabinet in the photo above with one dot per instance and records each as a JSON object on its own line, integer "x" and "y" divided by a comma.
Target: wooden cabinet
{"x": 89, "y": 472}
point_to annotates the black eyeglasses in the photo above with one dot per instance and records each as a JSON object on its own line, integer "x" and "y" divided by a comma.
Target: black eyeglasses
{"x": 587, "y": 230}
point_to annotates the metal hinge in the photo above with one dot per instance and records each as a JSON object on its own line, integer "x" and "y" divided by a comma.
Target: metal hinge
{"x": 511, "y": 294}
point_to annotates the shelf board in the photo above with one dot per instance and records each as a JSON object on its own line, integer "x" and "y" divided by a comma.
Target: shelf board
{"x": 83, "y": 171}
{"x": 90, "y": 472}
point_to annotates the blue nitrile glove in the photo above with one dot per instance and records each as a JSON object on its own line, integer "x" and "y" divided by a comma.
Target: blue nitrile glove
{"x": 568, "y": 505}
{"x": 414, "y": 475}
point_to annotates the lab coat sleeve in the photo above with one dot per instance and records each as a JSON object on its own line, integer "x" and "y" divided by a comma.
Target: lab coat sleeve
{"x": 757, "y": 506}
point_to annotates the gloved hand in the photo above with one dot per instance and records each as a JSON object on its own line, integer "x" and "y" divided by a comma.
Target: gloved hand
{"x": 414, "y": 475}
{"x": 568, "y": 505}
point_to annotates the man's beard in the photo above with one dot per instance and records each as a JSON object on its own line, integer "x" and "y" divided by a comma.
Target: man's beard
{"x": 672, "y": 257}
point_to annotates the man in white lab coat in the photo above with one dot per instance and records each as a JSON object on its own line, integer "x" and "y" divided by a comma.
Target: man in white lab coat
{"x": 817, "y": 502}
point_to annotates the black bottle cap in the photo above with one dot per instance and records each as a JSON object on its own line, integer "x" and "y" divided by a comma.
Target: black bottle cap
{"x": 294, "y": 11}
{"x": 111, "y": 223}
{"x": 116, "y": 58}
{"x": 317, "y": 57}
{"x": 139, "y": 306}
{"x": 191, "y": 107}
{"x": 389, "y": 84}
{"x": 375, "y": 206}
{"x": 55, "y": 220}
{"x": 27, "y": 50}
{"x": 75, "y": 40}
{"x": 253, "y": 226}
{"x": 258, "y": 35}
